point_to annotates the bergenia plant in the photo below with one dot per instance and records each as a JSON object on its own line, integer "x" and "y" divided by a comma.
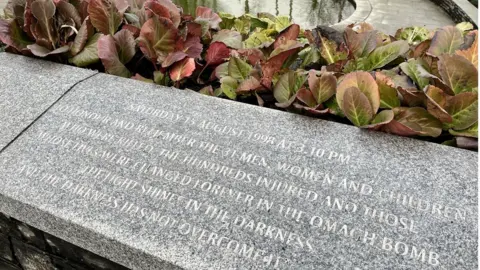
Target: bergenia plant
{"x": 417, "y": 83}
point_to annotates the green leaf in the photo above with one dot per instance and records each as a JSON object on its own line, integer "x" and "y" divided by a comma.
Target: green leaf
{"x": 411, "y": 69}
{"x": 333, "y": 107}
{"x": 458, "y": 73}
{"x": 282, "y": 22}
{"x": 464, "y": 110}
{"x": 331, "y": 52}
{"x": 258, "y": 40}
{"x": 464, "y": 27}
{"x": 232, "y": 39}
{"x": 365, "y": 83}
{"x": 413, "y": 35}
{"x": 229, "y": 86}
{"x": 382, "y": 118}
{"x": 160, "y": 78}
{"x": 88, "y": 55}
{"x": 356, "y": 107}
{"x": 469, "y": 132}
{"x": 239, "y": 69}
{"x": 287, "y": 86}
{"x": 383, "y": 55}
{"x": 104, "y": 16}
{"x": 323, "y": 87}
{"x": 227, "y": 20}
{"x": 309, "y": 56}
{"x": 388, "y": 94}
{"x": 446, "y": 40}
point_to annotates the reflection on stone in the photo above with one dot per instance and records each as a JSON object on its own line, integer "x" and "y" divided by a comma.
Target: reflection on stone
{"x": 307, "y": 13}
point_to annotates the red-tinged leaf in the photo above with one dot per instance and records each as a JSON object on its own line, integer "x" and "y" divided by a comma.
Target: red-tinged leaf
{"x": 290, "y": 33}
{"x": 381, "y": 119}
{"x": 84, "y": 33}
{"x": 43, "y": 11}
{"x": 173, "y": 57}
{"x": 154, "y": 8}
{"x": 108, "y": 54}
{"x": 207, "y": 15}
{"x": 133, "y": 29}
{"x": 12, "y": 35}
{"x": 446, "y": 40}
{"x": 104, "y": 16}
{"x": 464, "y": 110}
{"x": 182, "y": 69}
{"x": 248, "y": 85}
{"x": 388, "y": 93}
{"x": 194, "y": 29}
{"x": 365, "y": 83}
{"x": 323, "y": 87}
{"x": 287, "y": 86}
{"x": 277, "y": 59}
{"x": 436, "y": 102}
{"x": 89, "y": 54}
{"x": 421, "y": 49}
{"x": 232, "y": 39}
{"x": 139, "y": 77}
{"x": 193, "y": 47}
{"x": 306, "y": 97}
{"x": 253, "y": 56}
{"x": 125, "y": 44}
{"x": 361, "y": 44}
{"x": 67, "y": 11}
{"x": 121, "y": 5}
{"x": 412, "y": 97}
{"x": 471, "y": 53}
{"x": 414, "y": 121}
{"x": 174, "y": 11}
{"x": 217, "y": 53}
{"x": 357, "y": 107}
{"x": 458, "y": 73}
{"x": 41, "y": 51}
{"x": 157, "y": 38}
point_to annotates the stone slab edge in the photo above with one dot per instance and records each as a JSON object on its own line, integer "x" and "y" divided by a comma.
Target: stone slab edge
{"x": 468, "y": 8}
{"x": 18, "y": 64}
{"x": 81, "y": 236}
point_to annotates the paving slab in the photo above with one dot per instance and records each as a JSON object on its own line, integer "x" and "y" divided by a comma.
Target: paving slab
{"x": 157, "y": 178}
{"x": 28, "y": 87}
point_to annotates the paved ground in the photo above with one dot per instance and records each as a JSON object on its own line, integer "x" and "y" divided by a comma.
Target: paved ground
{"x": 389, "y": 15}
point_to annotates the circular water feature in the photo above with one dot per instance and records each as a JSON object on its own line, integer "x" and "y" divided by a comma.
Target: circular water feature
{"x": 307, "y": 13}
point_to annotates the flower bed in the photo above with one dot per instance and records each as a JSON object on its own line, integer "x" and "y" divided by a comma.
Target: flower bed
{"x": 417, "y": 83}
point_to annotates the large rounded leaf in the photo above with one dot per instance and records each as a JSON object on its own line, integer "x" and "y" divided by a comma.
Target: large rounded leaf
{"x": 89, "y": 54}
{"x": 217, "y": 53}
{"x": 383, "y": 55}
{"x": 157, "y": 38}
{"x": 182, "y": 69}
{"x": 232, "y": 39}
{"x": 356, "y": 107}
{"x": 323, "y": 87}
{"x": 105, "y": 16}
{"x": 239, "y": 69}
{"x": 365, "y": 83}
{"x": 381, "y": 119}
{"x": 43, "y": 11}
{"x": 446, "y": 40}
{"x": 414, "y": 121}
{"x": 471, "y": 53}
{"x": 108, "y": 54}
{"x": 436, "y": 101}
{"x": 458, "y": 73}
{"x": 287, "y": 86}
{"x": 464, "y": 110}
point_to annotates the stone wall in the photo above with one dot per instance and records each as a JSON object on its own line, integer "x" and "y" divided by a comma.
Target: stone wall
{"x": 23, "y": 247}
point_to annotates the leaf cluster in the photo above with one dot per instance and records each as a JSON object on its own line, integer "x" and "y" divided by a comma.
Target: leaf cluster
{"x": 416, "y": 83}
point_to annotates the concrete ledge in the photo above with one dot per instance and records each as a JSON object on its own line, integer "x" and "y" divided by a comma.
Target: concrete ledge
{"x": 459, "y": 10}
{"x": 363, "y": 8}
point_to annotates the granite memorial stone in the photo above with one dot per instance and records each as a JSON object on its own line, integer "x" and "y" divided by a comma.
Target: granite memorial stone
{"x": 155, "y": 178}
{"x": 27, "y": 88}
